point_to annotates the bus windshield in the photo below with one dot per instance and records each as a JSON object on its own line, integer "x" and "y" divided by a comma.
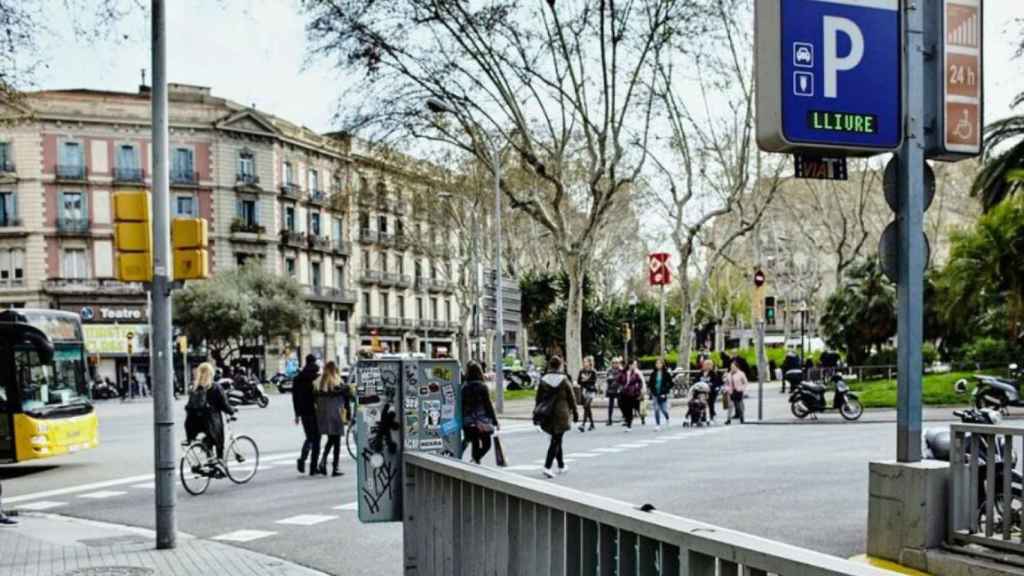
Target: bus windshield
{"x": 49, "y": 386}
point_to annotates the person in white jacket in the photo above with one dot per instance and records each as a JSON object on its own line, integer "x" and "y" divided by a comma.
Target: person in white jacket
{"x": 736, "y": 388}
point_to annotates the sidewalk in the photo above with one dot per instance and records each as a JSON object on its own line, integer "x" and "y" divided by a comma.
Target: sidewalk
{"x": 52, "y": 545}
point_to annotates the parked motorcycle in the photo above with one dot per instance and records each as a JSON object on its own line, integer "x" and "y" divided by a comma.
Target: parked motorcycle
{"x": 519, "y": 379}
{"x": 995, "y": 392}
{"x": 103, "y": 390}
{"x": 937, "y": 446}
{"x": 808, "y": 398}
{"x": 245, "y": 391}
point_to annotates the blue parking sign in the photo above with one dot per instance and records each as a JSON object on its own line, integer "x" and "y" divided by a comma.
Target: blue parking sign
{"x": 829, "y": 75}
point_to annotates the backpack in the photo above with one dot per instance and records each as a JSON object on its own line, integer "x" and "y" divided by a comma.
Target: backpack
{"x": 197, "y": 403}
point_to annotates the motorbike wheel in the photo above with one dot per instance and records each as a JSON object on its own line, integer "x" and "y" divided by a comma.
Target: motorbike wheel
{"x": 263, "y": 401}
{"x": 851, "y": 410}
{"x": 799, "y": 409}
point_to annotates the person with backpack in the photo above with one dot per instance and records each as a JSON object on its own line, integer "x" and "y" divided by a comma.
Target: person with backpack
{"x": 304, "y": 404}
{"x": 631, "y": 387}
{"x": 555, "y": 400}
{"x": 479, "y": 421}
{"x": 612, "y": 386}
{"x": 588, "y": 385}
{"x": 203, "y": 411}
{"x": 332, "y": 401}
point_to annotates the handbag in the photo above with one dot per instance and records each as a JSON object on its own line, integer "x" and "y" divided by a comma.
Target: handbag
{"x": 499, "y": 453}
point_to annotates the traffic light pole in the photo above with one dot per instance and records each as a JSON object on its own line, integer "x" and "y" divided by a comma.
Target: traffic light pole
{"x": 911, "y": 258}
{"x": 499, "y": 333}
{"x": 162, "y": 356}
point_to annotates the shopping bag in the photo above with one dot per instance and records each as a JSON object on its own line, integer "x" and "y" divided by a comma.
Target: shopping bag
{"x": 499, "y": 452}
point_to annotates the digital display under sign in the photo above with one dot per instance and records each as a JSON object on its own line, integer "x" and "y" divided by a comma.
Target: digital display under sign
{"x": 845, "y": 122}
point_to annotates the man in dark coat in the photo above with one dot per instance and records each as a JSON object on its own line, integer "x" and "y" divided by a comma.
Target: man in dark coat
{"x": 304, "y": 404}
{"x": 612, "y": 386}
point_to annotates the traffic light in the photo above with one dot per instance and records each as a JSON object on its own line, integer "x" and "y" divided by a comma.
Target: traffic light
{"x": 769, "y": 309}
{"x": 190, "y": 237}
{"x": 183, "y": 344}
{"x": 133, "y": 236}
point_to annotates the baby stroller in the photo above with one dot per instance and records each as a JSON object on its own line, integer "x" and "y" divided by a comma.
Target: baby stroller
{"x": 697, "y": 407}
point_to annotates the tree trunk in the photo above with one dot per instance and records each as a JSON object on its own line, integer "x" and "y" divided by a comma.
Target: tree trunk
{"x": 574, "y": 316}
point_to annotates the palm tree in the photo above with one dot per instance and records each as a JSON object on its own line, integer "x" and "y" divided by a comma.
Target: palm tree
{"x": 1002, "y": 173}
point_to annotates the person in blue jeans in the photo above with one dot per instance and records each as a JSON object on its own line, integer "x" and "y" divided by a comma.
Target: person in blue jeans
{"x": 659, "y": 386}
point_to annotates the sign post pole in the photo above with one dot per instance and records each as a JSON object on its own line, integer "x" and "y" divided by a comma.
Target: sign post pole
{"x": 910, "y": 288}
{"x": 661, "y": 311}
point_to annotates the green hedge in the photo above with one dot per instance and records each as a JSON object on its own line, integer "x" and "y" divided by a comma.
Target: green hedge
{"x": 749, "y": 354}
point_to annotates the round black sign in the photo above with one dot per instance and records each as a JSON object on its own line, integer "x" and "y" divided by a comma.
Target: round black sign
{"x": 759, "y": 278}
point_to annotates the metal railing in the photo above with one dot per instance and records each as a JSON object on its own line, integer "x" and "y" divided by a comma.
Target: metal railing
{"x": 317, "y": 196}
{"x": 72, "y": 225}
{"x": 184, "y": 178}
{"x": 985, "y": 499}
{"x": 341, "y": 247}
{"x": 468, "y": 520}
{"x": 367, "y": 235}
{"x": 245, "y": 178}
{"x": 368, "y": 276}
{"x": 10, "y": 222}
{"x": 291, "y": 190}
{"x": 318, "y": 242}
{"x": 73, "y": 172}
{"x": 6, "y": 167}
{"x": 293, "y": 237}
{"x": 125, "y": 175}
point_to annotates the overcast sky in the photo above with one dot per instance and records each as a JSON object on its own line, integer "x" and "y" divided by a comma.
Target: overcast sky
{"x": 253, "y": 52}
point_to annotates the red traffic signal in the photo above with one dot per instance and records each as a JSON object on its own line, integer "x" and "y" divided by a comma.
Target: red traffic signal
{"x": 759, "y": 278}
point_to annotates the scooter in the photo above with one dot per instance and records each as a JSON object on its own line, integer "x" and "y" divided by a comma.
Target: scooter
{"x": 808, "y": 398}
{"x": 244, "y": 392}
{"x": 995, "y": 392}
{"x": 936, "y": 446}
{"x": 101, "y": 390}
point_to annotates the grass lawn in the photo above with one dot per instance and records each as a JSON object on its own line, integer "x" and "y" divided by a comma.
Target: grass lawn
{"x": 938, "y": 391}
{"x": 520, "y": 394}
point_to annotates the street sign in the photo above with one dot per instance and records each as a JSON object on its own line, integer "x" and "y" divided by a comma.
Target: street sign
{"x": 659, "y": 274}
{"x": 890, "y": 184}
{"x": 829, "y": 75}
{"x": 956, "y": 75}
{"x": 888, "y": 251}
{"x": 820, "y": 168}
{"x": 759, "y": 278}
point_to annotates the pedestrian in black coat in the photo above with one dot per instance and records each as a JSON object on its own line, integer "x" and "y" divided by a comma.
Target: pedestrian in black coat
{"x": 304, "y": 404}
{"x": 613, "y": 385}
{"x": 479, "y": 420}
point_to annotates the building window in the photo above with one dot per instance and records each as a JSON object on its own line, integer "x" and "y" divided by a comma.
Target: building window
{"x": 434, "y": 309}
{"x": 385, "y": 310}
{"x": 241, "y": 258}
{"x": 366, "y": 304}
{"x": 336, "y": 229}
{"x": 339, "y": 276}
{"x": 401, "y": 263}
{"x": 314, "y": 274}
{"x": 399, "y": 228}
{"x": 289, "y": 218}
{"x": 314, "y": 182}
{"x": 289, "y": 267}
{"x": 401, "y": 306}
{"x": 364, "y": 221}
{"x": 364, "y": 184}
{"x": 127, "y": 167}
{"x": 382, "y": 224}
{"x": 8, "y": 209}
{"x": 6, "y": 157}
{"x": 185, "y": 206}
{"x": 419, "y": 270}
{"x": 448, "y": 310}
{"x": 71, "y": 155}
{"x": 289, "y": 175}
{"x": 248, "y": 212}
{"x": 366, "y": 260}
{"x": 314, "y": 223}
{"x": 74, "y": 265}
{"x": 246, "y": 166}
{"x": 183, "y": 166}
{"x": 419, "y": 308}
{"x": 12, "y": 267}
{"x": 72, "y": 206}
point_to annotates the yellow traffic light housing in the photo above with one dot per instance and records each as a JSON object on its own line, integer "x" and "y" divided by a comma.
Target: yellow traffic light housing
{"x": 133, "y": 236}
{"x": 190, "y": 238}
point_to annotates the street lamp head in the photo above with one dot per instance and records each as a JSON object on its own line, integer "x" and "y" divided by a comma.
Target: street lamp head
{"x": 437, "y": 107}
{"x": 633, "y": 300}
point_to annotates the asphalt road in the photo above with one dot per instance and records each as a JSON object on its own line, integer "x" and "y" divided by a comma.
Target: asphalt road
{"x": 804, "y": 485}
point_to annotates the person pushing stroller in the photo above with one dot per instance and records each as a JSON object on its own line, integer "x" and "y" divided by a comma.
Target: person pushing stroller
{"x": 697, "y": 405}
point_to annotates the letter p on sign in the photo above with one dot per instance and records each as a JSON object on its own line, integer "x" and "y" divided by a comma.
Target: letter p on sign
{"x": 834, "y": 64}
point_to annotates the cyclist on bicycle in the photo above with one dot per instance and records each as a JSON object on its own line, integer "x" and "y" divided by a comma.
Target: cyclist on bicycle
{"x": 206, "y": 403}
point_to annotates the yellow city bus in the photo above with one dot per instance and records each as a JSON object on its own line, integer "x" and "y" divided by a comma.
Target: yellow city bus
{"x": 44, "y": 399}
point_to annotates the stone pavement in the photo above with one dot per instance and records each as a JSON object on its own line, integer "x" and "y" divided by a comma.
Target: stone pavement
{"x": 52, "y": 545}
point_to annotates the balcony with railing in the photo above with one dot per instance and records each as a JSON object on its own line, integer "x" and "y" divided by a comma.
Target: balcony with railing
{"x": 367, "y": 276}
{"x": 318, "y": 197}
{"x": 438, "y": 285}
{"x": 392, "y": 322}
{"x": 246, "y": 179}
{"x": 185, "y": 178}
{"x": 371, "y": 322}
{"x": 9, "y": 222}
{"x": 293, "y": 238}
{"x": 124, "y": 175}
{"x": 291, "y": 190}
{"x": 317, "y": 242}
{"x": 386, "y": 239}
{"x": 388, "y": 279}
{"x": 341, "y": 247}
{"x": 423, "y": 283}
{"x": 7, "y": 167}
{"x": 92, "y": 286}
{"x": 70, "y": 172}
{"x": 72, "y": 226}
{"x": 403, "y": 281}
{"x": 367, "y": 236}
{"x": 243, "y": 227}
{"x": 409, "y": 323}
{"x": 330, "y": 294}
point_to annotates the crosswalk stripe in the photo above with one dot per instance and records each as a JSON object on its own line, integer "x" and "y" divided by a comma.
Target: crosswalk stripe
{"x": 609, "y": 450}
{"x": 243, "y": 535}
{"x": 41, "y": 505}
{"x": 584, "y": 455}
{"x": 349, "y": 506}
{"x": 102, "y": 494}
{"x": 631, "y": 445}
{"x": 306, "y": 519}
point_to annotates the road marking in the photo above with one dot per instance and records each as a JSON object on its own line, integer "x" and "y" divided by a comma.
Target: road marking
{"x": 145, "y": 486}
{"x": 41, "y": 505}
{"x": 349, "y": 506}
{"x": 243, "y": 535}
{"x": 584, "y": 455}
{"x": 522, "y": 468}
{"x": 306, "y": 519}
{"x": 608, "y": 450}
{"x": 653, "y": 442}
{"x": 102, "y": 494}
{"x": 631, "y": 445}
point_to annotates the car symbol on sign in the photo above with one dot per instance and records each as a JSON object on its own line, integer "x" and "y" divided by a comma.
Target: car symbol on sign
{"x": 803, "y": 54}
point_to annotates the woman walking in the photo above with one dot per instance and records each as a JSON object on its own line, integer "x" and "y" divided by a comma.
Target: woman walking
{"x": 332, "y": 410}
{"x": 714, "y": 382}
{"x": 588, "y": 383}
{"x": 660, "y": 386}
{"x": 551, "y": 412}
{"x": 630, "y": 388}
{"x": 478, "y": 418}
{"x": 736, "y": 388}
{"x": 612, "y": 385}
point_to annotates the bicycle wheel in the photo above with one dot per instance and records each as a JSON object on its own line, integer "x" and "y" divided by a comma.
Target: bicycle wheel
{"x": 350, "y": 440}
{"x": 193, "y": 469}
{"x": 242, "y": 459}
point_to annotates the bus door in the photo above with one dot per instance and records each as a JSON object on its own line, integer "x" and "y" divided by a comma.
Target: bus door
{"x": 13, "y": 335}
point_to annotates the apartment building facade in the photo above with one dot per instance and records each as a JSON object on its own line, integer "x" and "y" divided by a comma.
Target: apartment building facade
{"x": 318, "y": 208}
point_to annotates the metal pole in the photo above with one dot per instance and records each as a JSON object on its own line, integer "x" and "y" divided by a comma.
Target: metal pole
{"x": 910, "y": 266}
{"x": 499, "y": 332}
{"x": 661, "y": 311}
{"x": 163, "y": 400}
{"x": 762, "y": 368}
{"x": 475, "y": 340}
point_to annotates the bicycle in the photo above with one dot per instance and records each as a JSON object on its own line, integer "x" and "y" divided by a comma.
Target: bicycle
{"x": 350, "y": 440}
{"x": 199, "y": 463}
